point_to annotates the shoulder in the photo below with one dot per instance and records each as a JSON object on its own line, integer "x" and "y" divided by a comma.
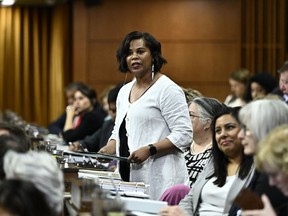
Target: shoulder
{"x": 166, "y": 81}
{"x": 167, "y": 86}
{"x": 125, "y": 89}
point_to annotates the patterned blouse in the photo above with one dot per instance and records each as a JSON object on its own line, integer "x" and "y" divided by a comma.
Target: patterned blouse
{"x": 195, "y": 163}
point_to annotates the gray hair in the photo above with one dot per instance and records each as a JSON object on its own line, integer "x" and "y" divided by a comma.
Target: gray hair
{"x": 284, "y": 68}
{"x": 208, "y": 107}
{"x": 40, "y": 169}
{"x": 261, "y": 116}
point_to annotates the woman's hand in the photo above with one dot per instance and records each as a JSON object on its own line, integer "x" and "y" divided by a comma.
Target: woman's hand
{"x": 109, "y": 148}
{"x": 70, "y": 110}
{"x": 75, "y": 146}
{"x": 267, "y": 210}
{"x": 172, "y": 211}
{"x": 140, "y": 155}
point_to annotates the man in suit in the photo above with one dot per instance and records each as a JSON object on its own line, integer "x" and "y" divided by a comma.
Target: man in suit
{"x": 283, "y": 82}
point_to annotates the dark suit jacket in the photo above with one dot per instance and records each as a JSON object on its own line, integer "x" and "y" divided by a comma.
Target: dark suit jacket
{"x": 100, "y": 138}
{"x": 260, "y": 185}
{"x": 57, "y": 126}
{"x": 90, "y": 123}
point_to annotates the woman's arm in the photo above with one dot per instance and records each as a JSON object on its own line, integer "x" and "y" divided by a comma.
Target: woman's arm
{"x": 70, "y": 112}
{"x": 143, "y": 153}
{"x": 172, "y": 211}
{"x": 109, "y": 148}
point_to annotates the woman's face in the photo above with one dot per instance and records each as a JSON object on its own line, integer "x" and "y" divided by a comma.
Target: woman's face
{"x": 226, "y": 132}
{"x": 81, "y": 103}
{"x": 277, "y": 178}
{"x": 248, "y": 140}
{"x": 139, "y": 58}
{"x": 237, "y": 88}
{"x": 197, "y": 122}
{"x": 257, "y": 91}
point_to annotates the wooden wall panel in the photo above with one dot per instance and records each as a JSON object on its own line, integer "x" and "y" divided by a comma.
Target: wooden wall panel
{"x": 200, "y": 39}
{"x": 169, "y": 20}
{"x": 264, "y": 35}
{"x": 201, "y": 62}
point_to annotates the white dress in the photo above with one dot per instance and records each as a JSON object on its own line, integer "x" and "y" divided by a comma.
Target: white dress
{"x": 161, "y": 112}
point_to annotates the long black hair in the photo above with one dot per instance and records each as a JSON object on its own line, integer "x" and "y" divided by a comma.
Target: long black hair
{"x": 220, "y": 160}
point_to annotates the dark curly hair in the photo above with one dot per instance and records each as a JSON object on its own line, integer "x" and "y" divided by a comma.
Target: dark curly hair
{"x": 150, "y": 42}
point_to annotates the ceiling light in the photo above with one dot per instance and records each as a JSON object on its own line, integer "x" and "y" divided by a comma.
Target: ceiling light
{"x": 7, "y": 2}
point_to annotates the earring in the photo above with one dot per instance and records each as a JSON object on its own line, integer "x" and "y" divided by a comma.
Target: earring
{"x": 152, "y": 69}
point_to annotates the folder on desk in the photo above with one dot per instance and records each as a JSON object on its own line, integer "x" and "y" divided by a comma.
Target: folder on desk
{"x": 135, "y": 189}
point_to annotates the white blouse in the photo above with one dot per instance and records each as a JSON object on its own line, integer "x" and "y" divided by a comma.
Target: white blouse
{"x": 161, "y": 112}
{"x": 214, "y": 197}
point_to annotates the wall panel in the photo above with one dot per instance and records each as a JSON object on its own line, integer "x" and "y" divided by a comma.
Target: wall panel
{"x": 200, "y": 39}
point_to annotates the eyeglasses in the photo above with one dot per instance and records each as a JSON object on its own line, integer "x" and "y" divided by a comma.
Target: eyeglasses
{"x": 245, "y": 129}
{"x": 194, "y": 116}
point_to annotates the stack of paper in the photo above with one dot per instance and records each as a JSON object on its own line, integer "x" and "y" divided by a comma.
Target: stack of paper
{"x": 112, "y": 181}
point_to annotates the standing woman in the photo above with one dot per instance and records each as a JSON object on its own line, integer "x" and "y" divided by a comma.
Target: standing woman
{"x": 152, "y": 115}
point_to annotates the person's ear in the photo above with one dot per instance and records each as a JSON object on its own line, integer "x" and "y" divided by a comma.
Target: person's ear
{"x": 208, "y": 124}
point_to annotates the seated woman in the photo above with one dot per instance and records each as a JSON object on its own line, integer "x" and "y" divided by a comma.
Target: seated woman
{"x": 223, "y": 177}
{"x": 202, "y": 111}
{"x": 238, "y": 81}
{"x": 260, "y": 85}
{"x": 272, "y": 159}
{"x": 258, "y": 118}
{"x": 99, "y": 138}
{"x": 57, "y": 126}
{"x": 22, "y": 198}
{"x": 82, "y": 118}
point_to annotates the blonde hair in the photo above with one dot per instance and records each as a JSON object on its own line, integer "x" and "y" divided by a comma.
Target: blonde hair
{"x": 274, "y": 150}
{"x": 190, "y": 94}
{"x": 241, "y": 75}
